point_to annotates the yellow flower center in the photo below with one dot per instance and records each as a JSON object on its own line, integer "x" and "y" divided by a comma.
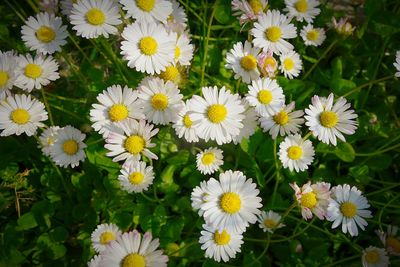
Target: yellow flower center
{"x": 308, "y": 200}
{"x": 372, "y": 256}
{"x": 256, "y": 6}
{"x": 20, "y": 116}
{"x": 170, "y": 18}
{"x": 248, "y": 62}
{"x": 264, "y": 96}
{"x": 295, "y": 152}
{"x": 328, "y": 119}
{"x": 136, "y": 178}
{"x": 95, "y": 16}
{"x": 118, "y": 112}
{"x": 288, "y": 64}
{"x": 216, "y": 113}
{"x": 45, "y": 34}
{"x": 230, "y": 202}
{"x": 171, "y": 73}
{"x": 177, "y": 52}
{"x": 348, "y": 209}
{"x": 393, "y": 243}
{"x": 3, "y": 78}
{"x": 146, "y": 5}
{"x": 187, "y": 121}
{"x": 270, "y": 62}
{"x": 301, "y": 6}
{"x": 107, "y": 237}
{"x": 33, "y": 71}
{"x": 273, "y": 33}
{"x": 148, "y": 45}
{"x": 70, "y": 147}
{"x": 221, "y": 239}
{"x": 208, "y": 158}
{"x": 133, "y": 260}
{"x": 312, "y": 35}
{"x": 270, "y": 223}
{"x": 50, "y": 141}
{"x": 134, "y": 144}
{"x": 281, "y": 118}
{"x": 159, "y": 101}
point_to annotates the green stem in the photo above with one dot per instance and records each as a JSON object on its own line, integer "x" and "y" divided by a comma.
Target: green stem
{"x": 47, "y": 106}
{"x": 319, "y": 59}
{"x": 368, "y": 84}
{"x": 204, "y": 59}
{"x": 336, "y": 263}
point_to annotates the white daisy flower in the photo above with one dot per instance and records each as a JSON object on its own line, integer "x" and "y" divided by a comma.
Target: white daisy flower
{"x": 220, "y": 245}
{"x": 172, "y": 73}
{"x": 44, "y": 33}
{"x": 348, "y": 207}
{"x": 268, "y": 64}
{"x": 209, "y": 160}
{"x": 266, "y": 96}
{"x": 68, "y": 148}
{"x": 162, "y": 101}
{"x": 390, "y": 240}
{"x": 291, "y": 64}
{"x": 242, "y": 59}
{"x": 312, "y": 36}
{"x": 130, "y": 141}
{"x": 296, "y": 153}
{"x": 93, "y": 18}
{"x": 285, "y": 122}
{"x": 136, "y": 177}
{"x": 95, "y": 261}
{"x": 232, "y": 202}
{"x": 21, "y": 114}
{"x": 328, "y": 121}
{"x": 343, "y": 26}
{"x": 302, "y": 9}
{"x": 374, "y": 257}
{"x": 148, "y": 47}
{"x": 396, "y": 64}
{"x": 183, "y": 50}
{"x": 218, "y": 115}
{"x": 103, "y": 235}
{"x": 248, "y": 10}
{"x": 66, "y": 6}
{"x": 250, "y": 123}
{"x": 147, "y": 10}
{"x": 132, "y": 250}
{"x": 313, "y": 198}
{"x": 33, "y": 73}
{"x": 183, "y": 125}
{"x": 47, "y": 139}
{"x": 197, "y": 197}
{"x": 8, "y": 63}
{"x": 270, "y": 221}
{"x": 271, "y": 31}
{"x": 116, "y": 104}
{"x": 177, "y": 20}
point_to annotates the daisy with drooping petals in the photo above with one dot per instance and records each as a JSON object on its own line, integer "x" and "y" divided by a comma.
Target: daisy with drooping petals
{"x": 248, "y": 10}
{"x": 136, "y": 177}
{"x": 44, "y": 33}
{"x": 177, "y": 20}
{"x": 68, "y": 148}
{"x": 328, "y": 121}
{"x": 270, "y": 221}
{"x": 116, "y": 104}
{"x": 242, "y": 59}
{"x": 390, "y": 240}
{"x": 47, "y": 139}
{"x": 183, "y": 50}
{"x": 21, "y": 114}
{"x": 184, "y": 125}
{"x": 313, "y": 198}
{"x": 92, "y": 18}
{"x": 66, "y": 6}
{"x": 209, "y": 160}
{"x": 266, "y": 96}
{"x": 48, "y": 6}
{"x": 147, "y": 10}
{"x": 132, "y": 250}
{"x": 232, "y": 202}
{"x": 33, "y": 73}
{"x": 296, "y": 153}
{"x": 302, "y": 9}
{"x": 267, "y": 64}
{"x": 348, "y": 207}
{"x": 148, "y": 47}
{"x": 271, "y": 31}
{"x": 217, "y": 115}
{"x": 397, "y": 64}
{"x": 284, "y": 122}
{"x": 220, "y": 245}
{"x": 197, "y": 197}
{"x": 250, "y": 123}
{"x": 95, "y": 261}
{"x": 103, "y": 235}
{"x": 8, "y": 63}
{"x": 312, "y": 36}
{"x": 374, "y": 257}
{"x": 291, "y": 64}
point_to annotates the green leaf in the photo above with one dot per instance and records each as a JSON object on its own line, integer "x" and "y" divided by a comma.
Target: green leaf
{"x": 180, "y": 159}
{"x": 345, "y": 152}
{"x": 27, "y": 221}
{"x": 223, "y": 12}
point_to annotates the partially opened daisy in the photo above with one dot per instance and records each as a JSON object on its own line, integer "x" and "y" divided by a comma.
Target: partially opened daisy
{"x": 183, "y": 50}
{"x": 232, "y": 202}
{"x": 217, "y": 115}
{"x": 21, "y": 114}
{"x": 312, "y": 36}
{"x": 343, "y": 26}
{"x": 66, "y": 6}
{"x": 148, "y": 47}
{"x": 116, "y": 104}
{"x": 296, "y": 153}
{"x": 348, "y": 207}
{"x": 68, "y": 148}
{"x": 8, "y": 63}
{"x": 103, "y": 235}
{"x": 220, "y": 245}
{"x": 209, "y": 160}
{"x": 93, "y": 18}
{"x": 248, "y": 10}
{"x": 270, "y": 221}
{"x": 396, "y": 64}
{"x": 291, "y": 64}
{"x": 47, "y": 139}
{"x": 302, "y": 9}
{"x": 184, "y": 125}
{"x": 177, "y": 20}
{"x": 48, "y": 6}
{"x": 136, "y": 177}
{"x": 44, "y": 33}
{"x": 250, "y": 123}
{"x": 313, "y": 199}
{"x": 266, "y": 96}
{"x": 33, "y": 73}
{"x": 390, "y": 239}
{"x": 374, "y": 257}
{"x": 268, "y": 64}
{"x": 197, "y": 197}
{"x": 130, "y": 249}
{"x": 285, "y": 122}
{"x": 242, "y": 59}
{"x": 147, "y": 10}
{"x": 271, "y": 32}
{"x": 327, "y": 120}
